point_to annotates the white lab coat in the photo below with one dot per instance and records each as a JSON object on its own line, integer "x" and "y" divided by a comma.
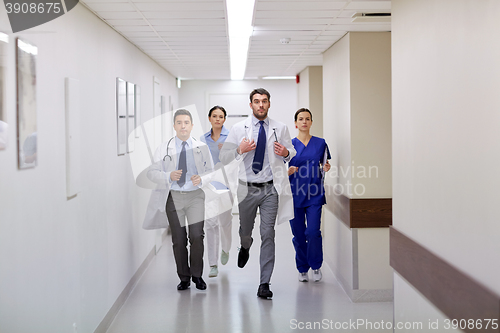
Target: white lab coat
{"x": 279, "y": 168}
{"x": 159, "y": 173}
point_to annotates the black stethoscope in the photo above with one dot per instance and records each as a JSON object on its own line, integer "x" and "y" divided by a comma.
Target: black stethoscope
{"x": 274, "y": 129}
{"x": 198, "y": 150}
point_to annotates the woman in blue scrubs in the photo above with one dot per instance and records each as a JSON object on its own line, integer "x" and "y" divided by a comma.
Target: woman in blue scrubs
{"x": 306, "y": 172}
{"x": 215, "y": 139}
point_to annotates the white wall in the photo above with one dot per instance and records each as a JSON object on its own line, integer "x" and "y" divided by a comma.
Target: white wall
{"x": 446, "y": 143}
{"x": 357, "y": 127}
{"x": 411, "y": 307}
{"x": 338, "y": 238}
{"x": 310, "y": 95}
{"x": 303, "y": 89}
{"x": 66, "y": 261}
{"x": 337, "y": 106}
{"x": 283, "y": 97}
{"x": 316, "y": 99}
{"x": 370, "y": 65}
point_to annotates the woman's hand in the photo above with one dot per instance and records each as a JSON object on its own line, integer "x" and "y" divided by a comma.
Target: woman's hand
{"x": 327, "y": 166}
{"x": 292, "y": 170}
{"x": 220, "y": 146}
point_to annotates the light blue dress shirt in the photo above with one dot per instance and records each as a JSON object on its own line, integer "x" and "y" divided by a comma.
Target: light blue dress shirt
{"x": 191, "y": 166}
{"x": 215, "y": 151}
{"x": 214, "y": 145}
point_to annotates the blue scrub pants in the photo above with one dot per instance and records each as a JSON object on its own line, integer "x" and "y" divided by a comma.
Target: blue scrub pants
{"x": 307, "y": 238}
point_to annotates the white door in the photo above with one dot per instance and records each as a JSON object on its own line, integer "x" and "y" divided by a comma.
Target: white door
{"x": 235, "y": 104}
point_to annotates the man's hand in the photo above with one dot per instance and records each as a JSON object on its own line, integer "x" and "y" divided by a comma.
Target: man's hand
{"x": 327, "y": 166}
{"x": 280, "y": 150}
{"x": 292, "y": 170}
{"x": 246, "y": 146}
{"x": 196, "y": 179}
{"x": 176, "y": 175}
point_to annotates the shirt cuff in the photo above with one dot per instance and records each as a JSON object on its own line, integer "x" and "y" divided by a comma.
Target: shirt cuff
{"x": 287, "y": 157}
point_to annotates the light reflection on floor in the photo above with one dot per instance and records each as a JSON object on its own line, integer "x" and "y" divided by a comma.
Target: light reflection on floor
{"x": 230, "y": 303}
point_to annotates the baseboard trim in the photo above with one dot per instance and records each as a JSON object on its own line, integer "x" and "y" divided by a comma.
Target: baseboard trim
{"x": 113, "y": 311}
{"x": 372, "y": 295}
{"x": 360, "y": 295}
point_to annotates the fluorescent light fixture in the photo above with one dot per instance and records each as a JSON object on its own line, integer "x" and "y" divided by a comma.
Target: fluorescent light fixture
{"x": 239, "y": 17}
{"x": 4, "y": 37}
{"x": 371, "y": 17}
{"x": 278, "y": 78}
{"x": 178, "y": 82}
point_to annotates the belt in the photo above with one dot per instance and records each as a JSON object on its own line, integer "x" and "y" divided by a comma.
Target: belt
{"x": 256, "y": 184}
{"x": 184, "y": 192}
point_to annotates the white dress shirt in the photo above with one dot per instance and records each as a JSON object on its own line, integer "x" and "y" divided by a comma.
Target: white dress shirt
{"x": 266, "y": 174}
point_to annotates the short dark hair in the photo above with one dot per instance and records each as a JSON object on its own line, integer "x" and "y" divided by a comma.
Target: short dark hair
{"x": 217, "y": 107}
{"x": 260, "y": 91}
{"x": 183, "y": 112}
{"x": 302, "y": 110}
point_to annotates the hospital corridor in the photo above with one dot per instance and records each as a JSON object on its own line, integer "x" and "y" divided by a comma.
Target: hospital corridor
{"x": 354, "y": 144}
{"x": 230, "y": 303}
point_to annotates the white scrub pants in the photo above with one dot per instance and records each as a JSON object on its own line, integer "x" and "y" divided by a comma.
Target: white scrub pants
{"x": 224, "y": 221}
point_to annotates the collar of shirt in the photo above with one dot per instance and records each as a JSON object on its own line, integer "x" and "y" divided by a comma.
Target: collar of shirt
{"x": 178, "y": 143}
{"x": 255, "y": 121}
{"x": 224, "y": 132}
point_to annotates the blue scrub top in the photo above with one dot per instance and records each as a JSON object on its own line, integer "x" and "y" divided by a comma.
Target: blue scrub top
{"x": 215, "y": 151}
{"x": 307, "y": 182}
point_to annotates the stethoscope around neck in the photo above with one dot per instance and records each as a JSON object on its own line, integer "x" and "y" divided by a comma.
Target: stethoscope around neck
{"x": 274, "y": 129}
{"x": 198, "y": 150}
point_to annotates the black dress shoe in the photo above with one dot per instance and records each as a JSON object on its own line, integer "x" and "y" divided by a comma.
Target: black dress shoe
{"x": 264, "y": 291}
{"x": 183, "y": 285}
{"x": 200, "y": 284}
{"x": 243, "y": 256}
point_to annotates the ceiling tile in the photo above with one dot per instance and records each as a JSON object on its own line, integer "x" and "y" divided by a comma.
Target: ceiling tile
{"x": 298, "y": 5}
{"x": 189, "y": 37}
{"x": 180, "y": 6}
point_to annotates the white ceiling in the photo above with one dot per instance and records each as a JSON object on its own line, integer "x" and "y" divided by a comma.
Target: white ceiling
{"x": 189, "y": 37}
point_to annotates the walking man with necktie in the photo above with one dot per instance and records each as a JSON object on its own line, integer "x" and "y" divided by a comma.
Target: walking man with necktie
{"x": 262, "y": 146}
{"x": 184, "y": 166}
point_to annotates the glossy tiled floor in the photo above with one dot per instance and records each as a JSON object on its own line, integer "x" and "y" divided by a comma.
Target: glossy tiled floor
{"x": 230, "y": 303}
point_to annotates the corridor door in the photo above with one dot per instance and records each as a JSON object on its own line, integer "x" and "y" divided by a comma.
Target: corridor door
{"x": 235, "y": 104}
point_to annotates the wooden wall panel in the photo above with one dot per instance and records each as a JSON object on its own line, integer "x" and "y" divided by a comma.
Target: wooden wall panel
{"x": 361, "y": 213}
{"x": 452, "y": 291}
{"x": 371, "y": 213}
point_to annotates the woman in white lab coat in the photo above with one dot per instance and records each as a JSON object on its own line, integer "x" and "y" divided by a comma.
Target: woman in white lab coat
{"x": 222, "y": 219}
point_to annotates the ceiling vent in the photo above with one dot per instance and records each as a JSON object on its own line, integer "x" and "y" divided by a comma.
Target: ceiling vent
{"x": 371, "y": 17}
{"x": 285, "y": 40}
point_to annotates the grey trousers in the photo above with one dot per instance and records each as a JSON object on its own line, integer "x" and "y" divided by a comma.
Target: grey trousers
{"x": 266, "y": 199}
{"x": 190, "y": 205}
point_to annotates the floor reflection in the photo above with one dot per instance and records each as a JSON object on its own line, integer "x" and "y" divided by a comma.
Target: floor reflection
{"x": 230, "y": 303}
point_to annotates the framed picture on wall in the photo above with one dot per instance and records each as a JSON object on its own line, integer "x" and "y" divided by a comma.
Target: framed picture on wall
{"x": 4, "y": 39}
{"x": 26, "y": 103}
{"x": 137, "y": 110}
{"x": 121, "y": 115}
{"x": 130, "y": 116}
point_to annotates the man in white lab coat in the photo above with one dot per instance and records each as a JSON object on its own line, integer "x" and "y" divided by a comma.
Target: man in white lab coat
{"x": 183, "y": 166}
{"x": 262, "y": 146}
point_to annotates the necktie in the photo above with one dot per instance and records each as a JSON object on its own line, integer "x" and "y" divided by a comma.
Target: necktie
{"x": 182, "y": 165}
{"x": 258, "y": 159}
